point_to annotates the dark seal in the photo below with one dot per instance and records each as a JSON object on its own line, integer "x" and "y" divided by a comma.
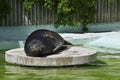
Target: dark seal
{"x": 42, "y": 43}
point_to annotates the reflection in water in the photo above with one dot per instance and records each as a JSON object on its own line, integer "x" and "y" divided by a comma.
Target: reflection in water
{"x": 59, "y": 73}
{"x": 2, "y": 72}
{"x": 102, "y": 69}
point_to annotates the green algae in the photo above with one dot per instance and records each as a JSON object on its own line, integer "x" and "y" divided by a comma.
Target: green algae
{"x": 103, "y": 69}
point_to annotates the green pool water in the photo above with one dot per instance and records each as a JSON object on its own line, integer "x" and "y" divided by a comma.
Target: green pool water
{"x": 105, "y": 68}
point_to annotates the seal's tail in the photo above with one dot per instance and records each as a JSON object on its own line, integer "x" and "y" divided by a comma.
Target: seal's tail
{"x": 67, "y": 43}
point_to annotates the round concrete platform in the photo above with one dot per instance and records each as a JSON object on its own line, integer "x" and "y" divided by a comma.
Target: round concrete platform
{"x": 71, "y": 56}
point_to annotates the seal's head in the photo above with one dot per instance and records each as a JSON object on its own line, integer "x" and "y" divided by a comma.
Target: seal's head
{"x": 36, "y": 48}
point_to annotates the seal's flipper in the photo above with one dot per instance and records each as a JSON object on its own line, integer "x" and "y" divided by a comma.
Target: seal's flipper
{"x": 55, "y": 49}
{"x": 62, "y": 48}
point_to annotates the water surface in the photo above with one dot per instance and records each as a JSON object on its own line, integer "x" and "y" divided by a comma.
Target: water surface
{"x": 105, "y": 68}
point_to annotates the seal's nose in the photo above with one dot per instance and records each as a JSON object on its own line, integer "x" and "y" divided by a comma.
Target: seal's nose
{"x": 34, "y": 49}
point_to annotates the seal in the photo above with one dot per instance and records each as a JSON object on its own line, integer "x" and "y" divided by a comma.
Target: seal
{"x": 43, "y": 42}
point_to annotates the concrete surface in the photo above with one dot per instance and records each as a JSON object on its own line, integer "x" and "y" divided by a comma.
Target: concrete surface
{"x": 71, "y": 56}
